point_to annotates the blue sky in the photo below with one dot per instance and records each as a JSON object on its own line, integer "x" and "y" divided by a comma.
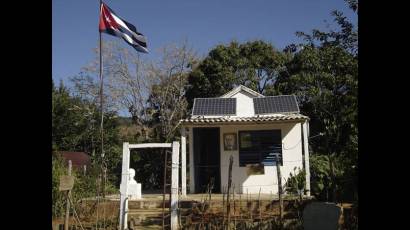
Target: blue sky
{"x": 204, "y": 24}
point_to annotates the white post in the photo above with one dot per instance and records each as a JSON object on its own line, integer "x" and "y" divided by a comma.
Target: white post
{"x": 191, "y": 161}
{"x": 306, "y": 150}
{"x": 183, "y": 162}
{"x": 124, "y": 186}
{"x": 174, "y": 186}
{"x": 67, "y": 211}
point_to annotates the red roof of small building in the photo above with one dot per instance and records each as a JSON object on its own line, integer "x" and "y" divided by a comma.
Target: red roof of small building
{"x": 78, "y": 159}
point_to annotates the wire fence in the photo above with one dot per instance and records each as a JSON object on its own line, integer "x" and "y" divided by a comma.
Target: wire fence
{"x": 101, "y": 213}
{"x": 84, "y": 215}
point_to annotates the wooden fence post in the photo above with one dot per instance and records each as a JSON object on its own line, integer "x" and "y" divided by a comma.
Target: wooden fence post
{"x": 279, "y": 186}
{"x": 67, "y": 210}
{"x": 228, "y": 209}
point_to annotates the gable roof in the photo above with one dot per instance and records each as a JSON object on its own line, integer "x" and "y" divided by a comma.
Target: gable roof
{"x": 253, "y": 105}
{"x": 241, "y": 88}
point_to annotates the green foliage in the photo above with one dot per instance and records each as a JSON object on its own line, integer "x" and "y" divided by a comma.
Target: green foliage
{"x": 325, "y": 80}
{"x": 323, "y": 74}
{"x": 85, "y": 185}
{"x": 320, "y": 174}
{"x": 296, "y": 182}
{"x": 58, "y": 198}
{"x": 342, "y": 180}
{"x": 75, "y": 127}
{"x": 149, "y": 167}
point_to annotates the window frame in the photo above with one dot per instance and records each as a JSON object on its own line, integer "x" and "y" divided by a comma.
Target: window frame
{"x": 256, "y": 142}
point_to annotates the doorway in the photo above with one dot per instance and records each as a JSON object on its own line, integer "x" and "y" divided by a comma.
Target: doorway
{"x": 207, "y": 159}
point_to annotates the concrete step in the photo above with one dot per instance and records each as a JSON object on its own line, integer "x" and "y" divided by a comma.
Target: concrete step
{"x": 149, "y": 210}
{"x": 147, "y": 218}
{"x": 135, "y": 204}
{"x": 189, "y": 204}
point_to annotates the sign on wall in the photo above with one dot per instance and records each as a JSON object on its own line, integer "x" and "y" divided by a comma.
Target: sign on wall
{"x": 230, "y": 142}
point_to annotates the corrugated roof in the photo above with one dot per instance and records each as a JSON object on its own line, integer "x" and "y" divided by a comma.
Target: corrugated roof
{"x": 255, "y": 119}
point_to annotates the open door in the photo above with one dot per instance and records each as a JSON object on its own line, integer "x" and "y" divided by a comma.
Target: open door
{"x": 207, "y": 159}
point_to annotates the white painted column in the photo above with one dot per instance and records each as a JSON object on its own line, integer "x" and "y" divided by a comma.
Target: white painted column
{"x": 191, "y": 161}
{"x": 183, "y": 161}
{"x": 124, "y": 186}
{"x": 174, "y": 185}
{"x": 306, "y": 150}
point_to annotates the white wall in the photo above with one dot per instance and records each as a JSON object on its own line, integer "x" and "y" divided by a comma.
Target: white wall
{"x": 244, "y": 104}
{"x": 292, "y": 157}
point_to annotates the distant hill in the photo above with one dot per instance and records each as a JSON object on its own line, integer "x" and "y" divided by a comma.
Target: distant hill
{"x": 124, "y": 121}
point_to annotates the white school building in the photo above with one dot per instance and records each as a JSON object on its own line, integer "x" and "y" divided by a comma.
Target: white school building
{"x": 250, "y": 127}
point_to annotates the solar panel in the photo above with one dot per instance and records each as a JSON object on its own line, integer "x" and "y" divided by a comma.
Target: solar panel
{"x": 214, "y": 106}
{"x": 276, "y": 104}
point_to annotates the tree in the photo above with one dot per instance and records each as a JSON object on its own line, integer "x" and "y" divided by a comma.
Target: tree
{"x": 152, "y": 92}
{"x": 126, "y": 86}
{"x": 146, "y": 89}
{"x": 75, "y": 128}
{"x": 166, "y": 106}
{"x": 67, "y": 123}
{"x": 255, "y": 64}
{"x": 58, "y": 169}
{"x": 167, "y": 100}
{"x": 323, "y": 73}
{"x": 346, "y": 37}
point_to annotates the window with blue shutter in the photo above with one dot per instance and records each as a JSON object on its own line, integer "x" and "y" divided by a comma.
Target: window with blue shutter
{"x": 259, "y": 147}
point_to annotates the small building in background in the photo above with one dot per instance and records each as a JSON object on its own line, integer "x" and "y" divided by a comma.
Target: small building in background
{"x": 79, "y": 160}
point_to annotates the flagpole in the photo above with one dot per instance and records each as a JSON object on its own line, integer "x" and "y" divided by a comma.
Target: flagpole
{"x": 106, "y": 22}
{"x": 101, "y": 107}
{"x": 101, "y": 94}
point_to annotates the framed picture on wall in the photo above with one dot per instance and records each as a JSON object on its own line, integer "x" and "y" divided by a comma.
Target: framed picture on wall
{"x": 230, "y": 141}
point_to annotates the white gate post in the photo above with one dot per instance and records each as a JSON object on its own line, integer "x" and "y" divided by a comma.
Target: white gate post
{"x": 183, "y": 161}
{"x": 306, "y": 150}
{"x": 191, "y": 161}
{"x": 124, "y": 186}
{"x": 174, "y": 186}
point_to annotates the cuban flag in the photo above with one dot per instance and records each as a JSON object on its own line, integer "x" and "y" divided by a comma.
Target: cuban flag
{"x": 110, "y": 23}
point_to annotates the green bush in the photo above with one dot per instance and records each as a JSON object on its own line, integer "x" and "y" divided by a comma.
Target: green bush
{"x": 58, "y": 201}
{"x": 85, "y": 185}
{"x": 296, "y": 182}
{"x": 320, "y": 176}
